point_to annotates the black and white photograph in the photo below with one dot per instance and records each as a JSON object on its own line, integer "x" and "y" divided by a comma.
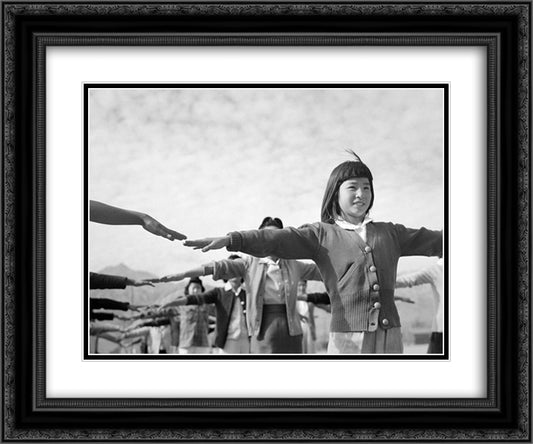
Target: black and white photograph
{"x": 266, "y": 220}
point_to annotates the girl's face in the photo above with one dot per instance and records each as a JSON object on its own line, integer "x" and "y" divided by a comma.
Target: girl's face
{"x": 354, "y": 199}
{"x": 195, "y": 288}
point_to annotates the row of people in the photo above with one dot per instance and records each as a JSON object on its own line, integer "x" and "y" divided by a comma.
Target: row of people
{"x": 229, "y": 322}
{"x": 101, "y": 322}
{"x": 355, "y": 257}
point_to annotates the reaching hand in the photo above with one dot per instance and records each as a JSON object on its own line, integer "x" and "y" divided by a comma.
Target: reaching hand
{"x": 208, "y": 243}
{"x": 136, "y": 307}
{"x": 136, "y": 283}
{"x": 107, "y": 214}
{"x": 168, "y": 278}
{"x": 153, "y": 226}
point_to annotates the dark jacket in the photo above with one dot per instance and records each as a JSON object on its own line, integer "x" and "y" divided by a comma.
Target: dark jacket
{"x": 223, "y": 300}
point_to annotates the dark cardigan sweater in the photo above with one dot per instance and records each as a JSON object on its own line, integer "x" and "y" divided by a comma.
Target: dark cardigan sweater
{"x": 359, "y": 277}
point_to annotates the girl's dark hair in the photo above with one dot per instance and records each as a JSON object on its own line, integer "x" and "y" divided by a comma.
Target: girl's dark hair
{"x": 347, "y": 170}
{"x": 195, "y": 280}
{"x": 271, "y": 222}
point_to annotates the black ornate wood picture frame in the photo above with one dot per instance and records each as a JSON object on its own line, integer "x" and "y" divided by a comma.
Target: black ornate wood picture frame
{"x": 503, "y": 28}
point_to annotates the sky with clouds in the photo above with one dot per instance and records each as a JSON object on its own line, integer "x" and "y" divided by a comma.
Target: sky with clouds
{"x": 208, "y": 161}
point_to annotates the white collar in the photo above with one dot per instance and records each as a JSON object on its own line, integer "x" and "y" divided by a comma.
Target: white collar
{"x": 268, "y": 260}
{"x": 228, "y": 287}
{"x": 349, "y": 226}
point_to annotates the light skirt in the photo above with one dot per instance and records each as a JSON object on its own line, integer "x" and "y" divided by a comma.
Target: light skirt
{"x": 380, "y": 341}
{"x": 236, "y": 346}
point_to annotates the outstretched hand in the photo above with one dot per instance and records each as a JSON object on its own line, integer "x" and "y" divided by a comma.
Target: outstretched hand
{"x": 208, "y": 243}
{"x": 168, "y": 278}
{"x": 153, "y": 226}
{"x": 137, "y": 308}
{"x": 138, "y": 283}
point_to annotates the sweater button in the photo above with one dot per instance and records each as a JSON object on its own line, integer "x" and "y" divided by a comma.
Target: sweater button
{"x": 375, "y": 287}
{"x": 368, "y": 249}
{"x": 377, "y": 305}
{"x": 385, "y": 322}
{"x": 372, "y": 268}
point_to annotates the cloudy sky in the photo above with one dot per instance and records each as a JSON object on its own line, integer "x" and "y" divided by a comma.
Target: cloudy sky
{"x": 205, "y": 162}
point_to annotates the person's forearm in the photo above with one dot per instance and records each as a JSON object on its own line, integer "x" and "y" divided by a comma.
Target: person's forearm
{"x": 101, "y": 316}
{"x": 413, "y": 279}
{"x": 108, "y": 304}
{"x": 99, "y": 281}
{"x": 287, "y": 243}
{"x": 107, "y": 214}
{"x": 402, "y": 282}
{"x": 202, "y": 270}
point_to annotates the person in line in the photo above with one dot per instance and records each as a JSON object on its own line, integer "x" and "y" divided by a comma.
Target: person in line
{"x": 194, "y": 322}
{"x": 171, "y": 333}
{"x": 357, "y": 258}
{"x": 102, "y": 213}
{"x": 98, "y": 318}
{"x": 434, "y": 276}
{"x": 306, "y": 310}
{"x": 271, "y": 286}
{"x": 231, "y": 332}
{"x": 106, "y": 214}
{"x": 151, "y": 334}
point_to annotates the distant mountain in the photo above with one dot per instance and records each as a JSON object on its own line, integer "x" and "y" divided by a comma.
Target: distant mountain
{"x": 124, "y": 270}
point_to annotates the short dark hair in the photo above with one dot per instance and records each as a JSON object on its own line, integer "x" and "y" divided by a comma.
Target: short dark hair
{"x": 347, "y": 170}
{"x": 195, "y": 280}
{"x": 271, "y": 222}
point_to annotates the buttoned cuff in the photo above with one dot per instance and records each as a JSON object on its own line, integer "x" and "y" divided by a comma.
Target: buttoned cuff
{"x": 235, "y": 241}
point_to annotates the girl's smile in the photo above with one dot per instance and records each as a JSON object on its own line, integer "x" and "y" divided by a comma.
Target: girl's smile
{"x": 355, "y": 196}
